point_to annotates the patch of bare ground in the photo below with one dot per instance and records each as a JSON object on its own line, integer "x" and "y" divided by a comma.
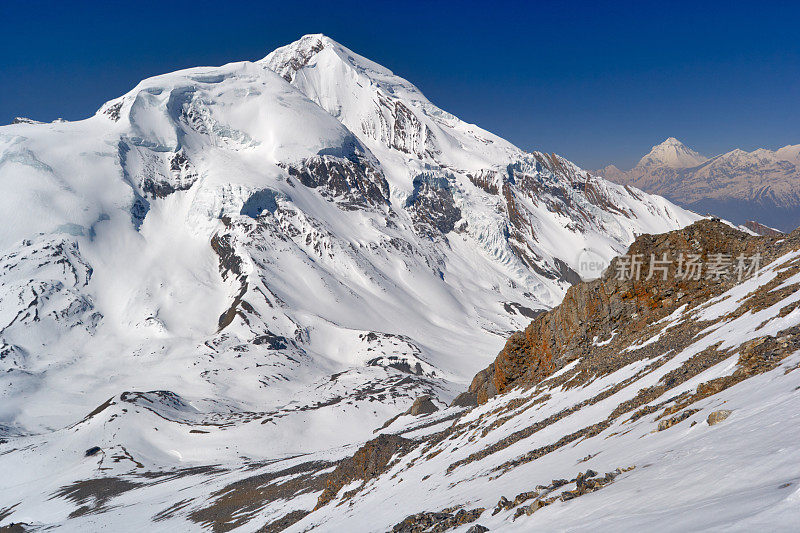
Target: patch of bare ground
{"x": 171, "y": 511}
{"x": 93, "y": 494}
{"x": 240, "y": 502}
{"x": 289, "y": 519}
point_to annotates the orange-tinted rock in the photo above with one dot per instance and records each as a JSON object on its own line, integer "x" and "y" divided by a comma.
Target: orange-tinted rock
{"x": 617, "y": 309}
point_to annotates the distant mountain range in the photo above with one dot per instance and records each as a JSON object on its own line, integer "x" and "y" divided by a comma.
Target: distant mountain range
{"x": 762, "y": 185}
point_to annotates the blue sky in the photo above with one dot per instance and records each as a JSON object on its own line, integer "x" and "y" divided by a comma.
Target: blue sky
{"x": 596, "y": 82}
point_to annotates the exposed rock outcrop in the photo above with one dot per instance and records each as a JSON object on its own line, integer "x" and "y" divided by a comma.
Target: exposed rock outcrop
{"x": 598, "y": 317}
{"x": 353, "y": 183}
{"x": 432, "y": 205}
{"x": 677, "y": 419}
{"x": 761, "y": 229}
{"x": 465, "y": 399}
{"x": 718, "y": 416}
{"x": 422, "y": 406}
{"x": 370, "y": 461}
{"x": 435, "y": 522}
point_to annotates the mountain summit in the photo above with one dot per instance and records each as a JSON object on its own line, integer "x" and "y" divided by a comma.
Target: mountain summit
{"x": 388, "y": 113}
{"x": 762, "y": 185}
{"x": 672, "y": 154}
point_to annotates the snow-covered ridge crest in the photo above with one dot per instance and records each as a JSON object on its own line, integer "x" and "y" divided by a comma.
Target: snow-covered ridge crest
{"x": 288, "y": 60}
{"x": 384, "y": 108}
{"x": 239, "y": 105}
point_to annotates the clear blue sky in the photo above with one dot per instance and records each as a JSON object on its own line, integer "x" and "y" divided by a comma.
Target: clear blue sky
{"x": 598, "y": 83}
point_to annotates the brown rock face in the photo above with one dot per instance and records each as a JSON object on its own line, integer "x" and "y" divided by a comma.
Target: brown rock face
{"x": 761, "y": 229}
{"x": 370, "y": 461}
{"x": 422, "y": 406}
{"x": 594, "y": 314}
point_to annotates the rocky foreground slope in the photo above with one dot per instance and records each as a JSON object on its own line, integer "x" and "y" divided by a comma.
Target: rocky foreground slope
{"x": 761, "y": 186}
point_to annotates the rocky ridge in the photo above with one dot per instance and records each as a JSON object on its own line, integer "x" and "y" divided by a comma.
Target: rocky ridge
{"x": 597, "y": 318}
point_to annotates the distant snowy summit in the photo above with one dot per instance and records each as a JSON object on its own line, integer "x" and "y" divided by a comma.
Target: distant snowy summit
{"x": 762, "y": 185}
{"x": 673, "y": 154}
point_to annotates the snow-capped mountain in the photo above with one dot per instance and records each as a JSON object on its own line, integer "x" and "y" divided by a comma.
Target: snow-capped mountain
{"x": 230, "y": 265}
{"x": 673, "y": 154}
{"x": 762, "y": 185}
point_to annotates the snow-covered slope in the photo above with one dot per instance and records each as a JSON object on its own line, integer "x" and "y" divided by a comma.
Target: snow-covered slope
{"x": 234, "y": 264}
{"x": 680, "y": 416}
{"x": 762, "y": 185}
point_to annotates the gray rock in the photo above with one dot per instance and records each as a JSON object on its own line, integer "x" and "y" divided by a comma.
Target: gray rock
{"x": 477, "y": 528}
{"x": 465, "y": 399}
{"x": 677, "y": 419}
{"x": 569, "y": 495}
{"x": 94, "y": 450}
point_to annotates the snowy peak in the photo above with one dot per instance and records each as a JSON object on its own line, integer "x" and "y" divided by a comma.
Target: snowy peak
{"x": 738, "y": 185}
{"x": 297, "y": 62}
{"x": 673, "y": 154}
{"x": 385, "y": 110}
{"x": 289, "y": 59}
{"x": 788, "y": 153}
